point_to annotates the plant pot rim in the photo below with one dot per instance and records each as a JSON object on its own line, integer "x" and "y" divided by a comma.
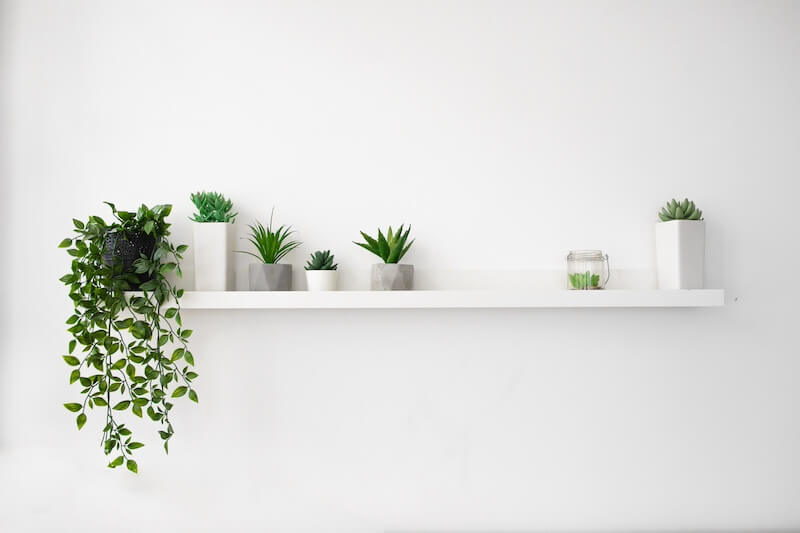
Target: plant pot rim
{"x": 394, "y": 264}
{"x": 209, "y": 222}
{"x": 320, "y": 270}
{"x": 678, "y": 220}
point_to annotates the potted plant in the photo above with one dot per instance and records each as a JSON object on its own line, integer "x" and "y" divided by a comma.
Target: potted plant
{"x": 272, "y": 246}
{"x": 212, "y": 234}
{"x": 680, "y": 246}
{"x": 389, "y": 275}
{"x": 128, "y": 353}
{"x": 321, "y": 273}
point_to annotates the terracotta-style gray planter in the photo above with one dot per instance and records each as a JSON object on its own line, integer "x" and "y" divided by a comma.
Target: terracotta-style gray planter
{"x": 392, "y": 277}
{"x": 270, "y": 277}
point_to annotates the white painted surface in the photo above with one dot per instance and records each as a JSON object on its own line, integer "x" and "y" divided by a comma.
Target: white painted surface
{"x": 507, "y": 134}
{"x": 212, "y": 254}
{"x": 680, "y": 254}
{"x": 466, "y": 299}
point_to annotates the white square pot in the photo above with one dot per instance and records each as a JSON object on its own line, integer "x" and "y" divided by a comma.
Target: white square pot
{"x": 680, "y": 254}
{"x": 322, "y": 280}
{"x": 213, "y": 256}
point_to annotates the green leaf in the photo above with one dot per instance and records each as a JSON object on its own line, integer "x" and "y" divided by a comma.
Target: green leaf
{"x": 193, "y": 395}
{"x": 189, "y": 357}
{"x": 98, "y": 400}
{"x": 74, "y": 407}
{"x": 135, "y": 445}
{"x": 71, "y": 360}
{"x": 116, "y": 462}
{"x": 148, "y": 227}
{"x": 132, "y": 466}
{"x": 121, "y": 406}
{"x": 66, "y": 243}
{"x": 81, "y": 420}
{"x": 74, "y": 376}
{"x": 180, "y": 391}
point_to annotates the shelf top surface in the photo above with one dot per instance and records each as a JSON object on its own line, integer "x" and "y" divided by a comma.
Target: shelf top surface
{"x": 453, "y": 299}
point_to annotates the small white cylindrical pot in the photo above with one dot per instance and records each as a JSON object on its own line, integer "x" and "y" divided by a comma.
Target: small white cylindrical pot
{"x": 213, "y": 256}
{"x": 392, "y": 277}
{"x": 322, "y": 280}
{"x": 680, "y": 254}
{"x": 270, "y": 277}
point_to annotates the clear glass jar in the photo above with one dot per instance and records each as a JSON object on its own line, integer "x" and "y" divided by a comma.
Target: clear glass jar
{"x": 587, "y": 270}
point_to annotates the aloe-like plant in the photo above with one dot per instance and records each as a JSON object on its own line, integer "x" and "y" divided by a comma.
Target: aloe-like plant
{"x": 391, "y": 248}
{"x": 271, "y": 245}
{"x": 212, "y": 207}
{"x": 684, "y": 210}
{"x": 321, "y": 261}
{"x": 584, "y": 280}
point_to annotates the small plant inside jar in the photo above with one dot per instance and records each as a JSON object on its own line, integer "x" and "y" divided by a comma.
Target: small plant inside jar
{"x": 584, "y": 280}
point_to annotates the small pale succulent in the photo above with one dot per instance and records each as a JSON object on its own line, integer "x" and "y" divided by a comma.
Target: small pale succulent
{"x": 390, "y": 248}
{"x": 212, "y": 207}
{"x": 584, "y": 280}
{"x": 684, "y": 210}
{"x": 321, "y": 261}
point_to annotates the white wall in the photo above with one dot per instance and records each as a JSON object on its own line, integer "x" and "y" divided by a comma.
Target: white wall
{"x": 507, "y": 133}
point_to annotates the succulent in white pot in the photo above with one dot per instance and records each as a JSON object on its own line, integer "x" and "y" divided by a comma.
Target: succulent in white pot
{"x": 321, "y": 272}
{"x": 271, "y": 246}
{"x": 680, "y": 246}
{"x": 212, "y": 242}
{"x": 390, "y": 275}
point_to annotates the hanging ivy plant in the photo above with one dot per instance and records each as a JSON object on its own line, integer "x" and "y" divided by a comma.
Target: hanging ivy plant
{"x": 128, "y": 353}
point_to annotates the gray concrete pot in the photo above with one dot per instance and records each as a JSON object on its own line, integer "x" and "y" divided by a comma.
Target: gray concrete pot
{"x": 270, "y": 277}
{"x": 392, "y": 277}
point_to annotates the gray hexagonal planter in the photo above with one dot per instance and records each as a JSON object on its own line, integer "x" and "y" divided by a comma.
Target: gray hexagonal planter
{"x": 392, "y": 277}
{"x": 270, "y": 277}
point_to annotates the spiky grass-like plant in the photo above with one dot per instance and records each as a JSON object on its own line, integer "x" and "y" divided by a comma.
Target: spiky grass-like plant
{"x": 390, "y": 248}
{"x": 271, "y": 245}
{"x": 212, "y": 207}
{"x": 321, "y": 261}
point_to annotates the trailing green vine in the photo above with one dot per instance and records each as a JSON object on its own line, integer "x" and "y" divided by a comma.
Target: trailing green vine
{"x": 120, "y": 345}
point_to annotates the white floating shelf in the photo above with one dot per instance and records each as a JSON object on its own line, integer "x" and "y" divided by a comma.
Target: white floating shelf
{"x": 453, "y": 299}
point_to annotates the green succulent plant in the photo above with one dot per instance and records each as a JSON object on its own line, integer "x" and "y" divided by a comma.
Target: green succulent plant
{"x": 390, "y": 248}
{"x": 321, "y": 261}
{"x": 584, "y": 280}
{"x": 212, "y": 207}
{"x": 271, "y": 245}
{"x": 684, "y": 210}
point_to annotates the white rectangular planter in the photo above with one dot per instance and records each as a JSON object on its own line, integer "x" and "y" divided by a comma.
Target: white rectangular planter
{"x": 213, "y": 256}
{"x": 680, "y": 254}
{"x": 322, "y": 280}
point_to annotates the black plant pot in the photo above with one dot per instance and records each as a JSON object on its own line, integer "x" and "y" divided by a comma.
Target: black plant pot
{"x": 124, "y": 249}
